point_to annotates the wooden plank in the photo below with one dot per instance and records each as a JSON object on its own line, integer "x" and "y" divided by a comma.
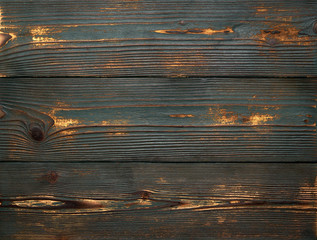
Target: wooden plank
{"x": 151, "y": 38}
{"x": 158, "y": 119}
{"x": 157, "y": 201}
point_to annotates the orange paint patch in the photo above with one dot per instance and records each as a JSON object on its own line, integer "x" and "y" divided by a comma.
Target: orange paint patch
{"x": 206, "y": 31}
{"x": 283, "y": 34}
{"x": 222, "y": 116}
{"x": 62, "y": 122}
{"x": 182, "y": 115}
{"x": 257, "y": 119}
{"x": 43, "y": 36}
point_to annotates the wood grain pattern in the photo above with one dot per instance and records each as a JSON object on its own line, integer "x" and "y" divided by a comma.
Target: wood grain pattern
{"x": 165, "y": 38}
{"x": 158, "y": 119}
{"x": 147, "y": 200}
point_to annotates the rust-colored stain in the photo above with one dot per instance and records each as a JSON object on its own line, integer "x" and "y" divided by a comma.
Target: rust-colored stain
{"x": 182, "y": 115}
{"x": 283, "y": 34}
{"x": 51, "y": 177}
{"x": 4, "y": 38}
{"x": 206, "y": 31}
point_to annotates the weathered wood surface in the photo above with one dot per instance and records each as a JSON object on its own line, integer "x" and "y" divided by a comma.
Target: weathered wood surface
{"x": 158, "y": 119}
{"x": 122, "y": 146}
{"x": 157, "y": 201}
{"x": 158, "y": 38}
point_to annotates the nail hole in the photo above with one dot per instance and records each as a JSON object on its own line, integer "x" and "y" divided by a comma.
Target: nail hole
{"x": 36, "y": 132}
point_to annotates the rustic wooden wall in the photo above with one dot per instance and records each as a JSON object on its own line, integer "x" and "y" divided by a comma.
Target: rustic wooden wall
{"x": 152, "y": 119}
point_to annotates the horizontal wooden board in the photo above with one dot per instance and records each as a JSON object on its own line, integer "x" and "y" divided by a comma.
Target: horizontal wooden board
{"x": 158, "y": 119}
{"x": 158, "y": 38}
{"x": 157, "y": 201}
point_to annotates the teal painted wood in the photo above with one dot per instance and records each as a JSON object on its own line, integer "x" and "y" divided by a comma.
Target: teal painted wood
{"x": 160, "y": 201}
{"x": 158, "y": 38}
{"x": 146, "y": 153}
{"x": 158, "y": 119}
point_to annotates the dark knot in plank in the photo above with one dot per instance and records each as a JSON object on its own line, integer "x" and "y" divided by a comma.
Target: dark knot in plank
{"x": 36, "y": 132}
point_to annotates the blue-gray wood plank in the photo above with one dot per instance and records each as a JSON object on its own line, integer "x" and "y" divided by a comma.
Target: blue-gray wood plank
{"x": 157, "y": 201}
{"x": 158, "y": 38}
{"x": 158, "y": 119}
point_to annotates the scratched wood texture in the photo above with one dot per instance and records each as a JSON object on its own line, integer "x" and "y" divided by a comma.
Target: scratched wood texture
{"x": 158, "y": 201}
{"x": 179, "y": 119}
{"x": 158, "y": 38}
{"x": 159, "y": 119}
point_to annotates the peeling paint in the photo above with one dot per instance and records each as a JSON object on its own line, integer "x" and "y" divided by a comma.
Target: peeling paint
{"x": 182, "y": 115}
{"x": 206, "y": 31}
{"x": 59, "y": 121}
{"x": 222, "y": 116}
{"x": 42, "y": 35}
{"x": 257, "y": 119}
{"x": 283, "y": 34}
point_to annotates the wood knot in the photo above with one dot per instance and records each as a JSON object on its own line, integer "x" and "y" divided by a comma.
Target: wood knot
{"x": 51, "y": 177}
{"x": 4, "y": 38}
{"x": 143, "y": 194}
{"x": 36, "y": 132}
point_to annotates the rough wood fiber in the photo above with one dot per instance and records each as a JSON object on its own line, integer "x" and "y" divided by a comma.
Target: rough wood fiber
{"x": 160, "y": 201}
{"x": 158, "y": 119}
{"x": 158, "y": 38}
{"x": 134, "y": 156}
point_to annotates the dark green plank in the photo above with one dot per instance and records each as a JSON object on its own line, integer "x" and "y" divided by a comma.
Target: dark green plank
{"x": 158, "y": 119}
{"x": 157, "y": 201}
{"x": 158, "y": 38}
